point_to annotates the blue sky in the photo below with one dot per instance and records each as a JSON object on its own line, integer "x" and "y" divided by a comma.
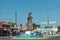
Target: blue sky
{"x": 39, "y": 9}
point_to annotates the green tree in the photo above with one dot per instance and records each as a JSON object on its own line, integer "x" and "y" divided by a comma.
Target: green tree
{"x": 35, "y": 26}
{"x": 20, "y": 25}
{"x": 47, "y": 27}
{"x": 58, "y": 28}
{"x": 12, "y": 24}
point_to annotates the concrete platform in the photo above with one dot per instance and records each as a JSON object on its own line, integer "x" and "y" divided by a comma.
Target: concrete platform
{"x": 5, "y": 38}
{"x": 10, "y": 38}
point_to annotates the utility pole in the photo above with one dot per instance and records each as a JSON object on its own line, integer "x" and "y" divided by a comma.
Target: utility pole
{"x": 48, "y": 19}
{"x": 16, "y": 18}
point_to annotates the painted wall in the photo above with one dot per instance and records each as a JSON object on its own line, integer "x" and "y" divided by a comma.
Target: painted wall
{"x": 0, "y": 24}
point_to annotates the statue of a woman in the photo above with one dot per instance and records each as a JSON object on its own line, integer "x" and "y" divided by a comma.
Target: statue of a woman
{"x": 29, "y": 17}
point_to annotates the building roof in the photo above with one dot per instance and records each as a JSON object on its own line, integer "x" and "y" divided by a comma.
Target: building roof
{"x": 24, "y": 28}
{"x": 6, "y": 23}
